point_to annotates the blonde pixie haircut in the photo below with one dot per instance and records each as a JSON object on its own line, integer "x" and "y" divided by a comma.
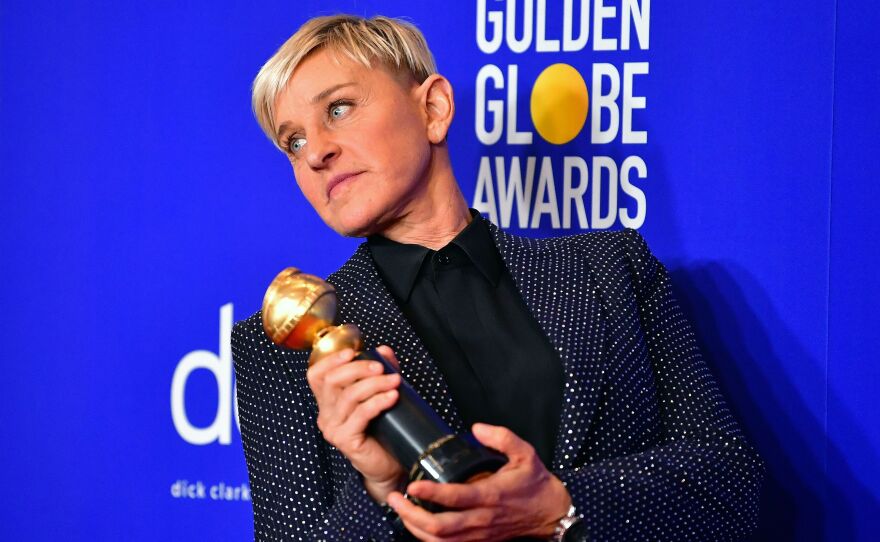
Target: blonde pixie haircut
{"x": 397, "y": 44}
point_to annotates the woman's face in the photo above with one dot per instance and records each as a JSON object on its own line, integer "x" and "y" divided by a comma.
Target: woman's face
{"x": 357, "y": 140}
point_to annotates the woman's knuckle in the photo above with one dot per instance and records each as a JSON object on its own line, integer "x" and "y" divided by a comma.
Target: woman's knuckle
{"x": 433, "y": 527}
{"x": 375, "y": 405}
{"x": 487, "y": 517}
{"x": 493, "y": 496}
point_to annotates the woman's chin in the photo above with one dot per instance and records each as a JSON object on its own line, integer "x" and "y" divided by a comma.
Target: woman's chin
{"x": 355, "y": 225}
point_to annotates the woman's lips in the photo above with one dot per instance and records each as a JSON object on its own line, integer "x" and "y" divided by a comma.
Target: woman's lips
{"x": 338, "y": 181}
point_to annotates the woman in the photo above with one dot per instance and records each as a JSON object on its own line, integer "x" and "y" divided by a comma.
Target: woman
{"x": 573, "y": 349}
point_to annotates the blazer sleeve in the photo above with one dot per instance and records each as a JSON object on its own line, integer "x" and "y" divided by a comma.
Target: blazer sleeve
{"x": 302, "y": 488}
{"x": 699, "y": 479}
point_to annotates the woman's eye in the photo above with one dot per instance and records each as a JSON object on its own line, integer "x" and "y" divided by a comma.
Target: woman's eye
{"x": 297, "y": 143}
{"x": 337, "y": 111}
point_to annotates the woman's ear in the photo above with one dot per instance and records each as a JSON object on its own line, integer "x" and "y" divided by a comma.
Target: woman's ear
{"x": 439, "y": 107}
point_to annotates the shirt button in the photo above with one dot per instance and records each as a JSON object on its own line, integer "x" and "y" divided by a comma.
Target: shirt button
{"x": 443, "y": 259}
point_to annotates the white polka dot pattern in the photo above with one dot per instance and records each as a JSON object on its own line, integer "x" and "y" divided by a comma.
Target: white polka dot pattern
{"x": 646, "y": 446}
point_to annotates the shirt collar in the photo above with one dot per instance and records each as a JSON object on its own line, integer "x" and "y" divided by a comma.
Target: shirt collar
{"x": 399, "y": 263}
{"x": 476, "y": 241}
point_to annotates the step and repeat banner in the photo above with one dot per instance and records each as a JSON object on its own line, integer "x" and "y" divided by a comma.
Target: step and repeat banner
{"x": 144, "y": 213}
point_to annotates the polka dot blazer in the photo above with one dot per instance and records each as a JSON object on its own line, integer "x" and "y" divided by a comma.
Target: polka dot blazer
{"x": 646, "y": 446}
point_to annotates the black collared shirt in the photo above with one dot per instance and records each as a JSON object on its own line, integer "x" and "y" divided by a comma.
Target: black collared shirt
{"x": 463, "y": 304}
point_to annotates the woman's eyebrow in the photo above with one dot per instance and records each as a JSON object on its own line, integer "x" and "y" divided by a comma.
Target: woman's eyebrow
{"x": 330, "y": 90}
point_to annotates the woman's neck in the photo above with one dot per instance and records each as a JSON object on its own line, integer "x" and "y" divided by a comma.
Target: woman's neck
{"x": 439, "y": 213}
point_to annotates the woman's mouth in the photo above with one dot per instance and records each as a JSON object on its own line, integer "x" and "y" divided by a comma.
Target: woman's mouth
{"x": 339, "y": 181}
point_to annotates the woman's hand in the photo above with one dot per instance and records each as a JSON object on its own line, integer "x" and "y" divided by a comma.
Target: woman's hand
{"x": 521, "y": 499}
{"x": 350, "y": 393}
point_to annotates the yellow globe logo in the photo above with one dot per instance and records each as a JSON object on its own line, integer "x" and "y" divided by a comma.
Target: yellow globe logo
{"x": 559, "y": 103}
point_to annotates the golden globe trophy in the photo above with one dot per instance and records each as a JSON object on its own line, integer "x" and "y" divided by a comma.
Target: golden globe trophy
{"x": 299, "y": 312}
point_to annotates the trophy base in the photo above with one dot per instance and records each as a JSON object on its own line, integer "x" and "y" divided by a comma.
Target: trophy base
{"x": 456, "y": 459}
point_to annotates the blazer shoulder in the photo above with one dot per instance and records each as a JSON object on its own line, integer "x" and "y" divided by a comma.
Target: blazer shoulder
{"x": 355, "y": 270}
{"x": 601, "y": 242}
{"x": 602, "y": 249}
{"x": 249, "y": 339}
{"x": 252, "y": 348}
{"x": 251, "y": 328}
{"x": 621, "y": 259}
{"x": 616, "y": 252}
{"x": 593, "y": 241}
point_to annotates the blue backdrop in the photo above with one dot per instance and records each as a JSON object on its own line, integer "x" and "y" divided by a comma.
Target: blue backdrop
{"x": 143, "y": 211}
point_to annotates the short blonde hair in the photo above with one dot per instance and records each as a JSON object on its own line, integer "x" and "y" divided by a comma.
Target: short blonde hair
{"x": 392, "y": 42}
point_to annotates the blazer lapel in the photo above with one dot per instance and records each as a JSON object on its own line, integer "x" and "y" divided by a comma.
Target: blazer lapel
{"x": 561, "y": 293}
{"x": 364, "y": 300}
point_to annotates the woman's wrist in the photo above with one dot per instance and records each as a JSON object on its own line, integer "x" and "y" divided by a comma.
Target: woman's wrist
{"x": 561, "y": 503}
